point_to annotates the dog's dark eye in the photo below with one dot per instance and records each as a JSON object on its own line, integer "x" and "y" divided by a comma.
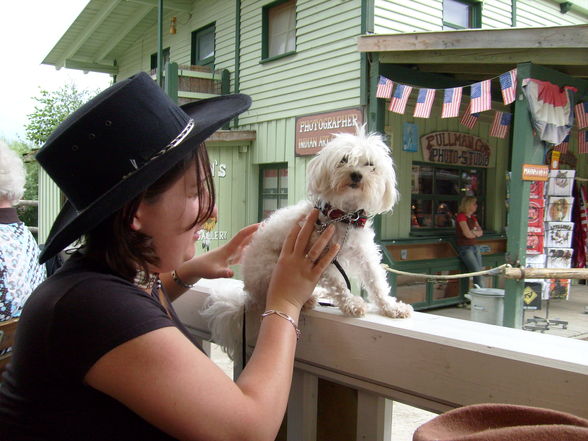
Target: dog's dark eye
{"x": 369, "y": 164}
{"x": 344, "y": 160}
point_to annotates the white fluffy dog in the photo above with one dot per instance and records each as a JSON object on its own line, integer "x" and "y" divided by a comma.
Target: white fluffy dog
{"x": 351, "y": 180}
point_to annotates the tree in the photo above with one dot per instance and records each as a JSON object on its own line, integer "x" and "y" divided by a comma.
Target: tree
{"x": 51, "y": 109}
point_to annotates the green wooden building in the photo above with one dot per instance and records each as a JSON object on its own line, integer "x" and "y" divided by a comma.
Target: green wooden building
{"x": 311, "y": 63}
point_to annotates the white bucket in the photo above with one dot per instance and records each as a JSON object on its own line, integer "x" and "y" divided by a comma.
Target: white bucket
{"x": 487, "y": 305}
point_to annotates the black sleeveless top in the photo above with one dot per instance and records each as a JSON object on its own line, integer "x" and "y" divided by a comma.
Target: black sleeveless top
{"x": 70, "y": 321}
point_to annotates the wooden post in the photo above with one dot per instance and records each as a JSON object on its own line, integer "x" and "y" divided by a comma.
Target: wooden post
{"x": 171, "y": 81}
{"x": 302, "y": 407}
{"x": 525, "y": 150}
{"x": 546, "y": 273}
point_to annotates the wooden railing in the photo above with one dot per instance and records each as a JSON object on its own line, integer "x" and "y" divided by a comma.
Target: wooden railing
{"x": 427, "y": 361}
{"x": 189, "y": 83}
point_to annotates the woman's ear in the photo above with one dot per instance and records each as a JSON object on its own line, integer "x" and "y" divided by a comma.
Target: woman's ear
{"x": 136, "y": 222}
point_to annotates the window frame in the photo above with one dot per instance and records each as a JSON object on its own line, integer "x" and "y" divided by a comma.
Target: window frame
{"x": 194, "y": 50}
{"x": 436, "y": 198}
{"x": 282, "y": 197}
{"x": 475, "y": 15}
{"x": 166, "y": 58}
{"x": 265, "y": 57}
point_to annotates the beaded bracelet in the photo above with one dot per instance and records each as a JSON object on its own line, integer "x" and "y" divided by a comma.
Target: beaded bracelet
{"x": 179, "y": 281}
{"x": 284, "y": 316}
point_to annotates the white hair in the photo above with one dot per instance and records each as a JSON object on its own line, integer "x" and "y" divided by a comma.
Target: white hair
{"x": 365, "y": 154}
{"x": 12, "y": 175}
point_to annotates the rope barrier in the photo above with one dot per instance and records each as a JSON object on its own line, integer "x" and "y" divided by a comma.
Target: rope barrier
{"x": 506, "y": 270}
{"x": 492, "y": 272}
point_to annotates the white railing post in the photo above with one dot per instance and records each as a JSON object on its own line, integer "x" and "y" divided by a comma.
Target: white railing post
{"x": 374, "y": 417}
{"x": 302, "y": 407}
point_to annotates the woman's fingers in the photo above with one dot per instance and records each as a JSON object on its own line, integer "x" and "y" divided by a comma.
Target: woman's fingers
{"x": 292, "y": 239}
{"x": 325, "y": 260}
{"x": 306, "y": 231}
{"x": 318, "y": 248}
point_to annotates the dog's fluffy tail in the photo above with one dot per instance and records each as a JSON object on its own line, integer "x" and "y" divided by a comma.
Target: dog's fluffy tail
{"x": 224, "y": 312}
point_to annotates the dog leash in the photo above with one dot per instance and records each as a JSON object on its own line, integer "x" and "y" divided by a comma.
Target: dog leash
{"x": 356, "y": 219}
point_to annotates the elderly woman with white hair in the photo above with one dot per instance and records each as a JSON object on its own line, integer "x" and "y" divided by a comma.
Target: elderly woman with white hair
{"x": 20, "y": 271}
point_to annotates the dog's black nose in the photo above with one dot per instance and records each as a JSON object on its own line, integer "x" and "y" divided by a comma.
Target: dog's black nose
{"x": 356, "y": 177}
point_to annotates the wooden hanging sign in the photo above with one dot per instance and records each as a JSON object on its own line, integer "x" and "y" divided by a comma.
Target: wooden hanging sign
{"x": 456, "y": 148}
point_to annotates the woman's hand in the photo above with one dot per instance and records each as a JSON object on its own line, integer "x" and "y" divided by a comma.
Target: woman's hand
{"x": 211, "y": 265}
{"x": 215, "y": 263}
{"x": 300, "y": 266}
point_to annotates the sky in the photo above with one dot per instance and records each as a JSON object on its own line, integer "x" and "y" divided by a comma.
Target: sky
{"x": 29, "y": 29}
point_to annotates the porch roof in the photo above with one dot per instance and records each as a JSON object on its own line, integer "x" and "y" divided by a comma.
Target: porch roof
{"x": 473, "y": 54}
{"x": 105, "y": 30}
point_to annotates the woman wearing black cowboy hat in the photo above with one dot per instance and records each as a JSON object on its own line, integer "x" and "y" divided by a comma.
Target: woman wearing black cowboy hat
{"x": 100, "y": 353}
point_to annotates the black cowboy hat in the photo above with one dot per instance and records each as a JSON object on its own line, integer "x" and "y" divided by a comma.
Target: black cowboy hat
{"x": 118, "y": 144}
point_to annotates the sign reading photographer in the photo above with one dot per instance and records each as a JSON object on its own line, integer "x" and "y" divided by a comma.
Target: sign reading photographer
{"x": 456, "y": 148}
{"x": 314, "y": 131}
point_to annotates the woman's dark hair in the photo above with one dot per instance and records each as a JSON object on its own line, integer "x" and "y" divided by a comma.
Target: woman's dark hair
{"x": 126, "y": 251}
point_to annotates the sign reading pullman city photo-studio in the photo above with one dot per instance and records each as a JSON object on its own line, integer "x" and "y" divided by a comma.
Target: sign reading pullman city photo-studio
{"x": 455, "y": 148}
{"x": 314, "y": 131}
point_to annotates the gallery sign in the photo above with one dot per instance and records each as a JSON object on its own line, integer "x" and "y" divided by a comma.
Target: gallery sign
{"x": 455, "y": 148}
{"x": 314, "y": 131}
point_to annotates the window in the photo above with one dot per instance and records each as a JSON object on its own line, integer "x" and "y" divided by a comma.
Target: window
{"x": 203, "y": 44}
{"x": 461, "y": 14}
{"x": 436, "y": 192}
{"x": 165, "y": 54}
{"x": 279, "y": 29}
{"x": 273, "y": 189}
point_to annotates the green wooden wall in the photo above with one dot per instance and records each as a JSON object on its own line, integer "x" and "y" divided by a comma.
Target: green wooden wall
{"x": 231, "y": 169}
{"x": 323, "y": 75}
{"x": 393, "y": 16}
{"x": 533, "y": 13}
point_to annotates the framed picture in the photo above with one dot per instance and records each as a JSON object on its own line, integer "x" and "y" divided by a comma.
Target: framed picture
{"x": 410, "y": 137}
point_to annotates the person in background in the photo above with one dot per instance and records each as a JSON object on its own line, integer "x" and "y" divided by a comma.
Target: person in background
{"x": 467, "y": 231}
{"x": 100, "y": 353}
{"x": 20, "y": 271}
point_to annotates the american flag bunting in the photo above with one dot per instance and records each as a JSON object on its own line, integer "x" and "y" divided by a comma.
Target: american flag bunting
{"x": 480, "y": 97}
{"x": 583, "y": 142}
{"x": 564, "y": 146}
{"x": 469, "y": 119}
{"x": 384, "y": 89}
{"x": 424, "y": 103}
{"x": 400, "y": 98}
{"x": 582, "y": 114}
{"x": 508, "y": 86}
{"x": 451, "y": 102}
{"x": 500, "y": 125}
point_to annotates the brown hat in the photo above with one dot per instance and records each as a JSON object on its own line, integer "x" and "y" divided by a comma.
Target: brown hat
{"x": 503, "y": 422}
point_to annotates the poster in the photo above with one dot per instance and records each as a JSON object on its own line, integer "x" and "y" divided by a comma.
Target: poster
{"x": 410, "y": 137}
{"x": 559, "y": 209}
{"x": 559, "y": 234}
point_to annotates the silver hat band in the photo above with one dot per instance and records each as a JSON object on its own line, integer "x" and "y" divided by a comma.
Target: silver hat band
{"x": 173, "y": 143}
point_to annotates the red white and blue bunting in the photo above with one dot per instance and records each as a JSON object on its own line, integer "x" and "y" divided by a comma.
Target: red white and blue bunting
{"x": 553, "y": 132}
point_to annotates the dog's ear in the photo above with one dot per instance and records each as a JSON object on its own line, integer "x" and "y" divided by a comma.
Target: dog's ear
{"x": 390, "y": 197}
{"x": 314, "y": 176}
{"x": 391, "y": 194}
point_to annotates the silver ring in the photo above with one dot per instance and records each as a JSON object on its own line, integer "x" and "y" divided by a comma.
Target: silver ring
{"x": 306, "y": 256}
